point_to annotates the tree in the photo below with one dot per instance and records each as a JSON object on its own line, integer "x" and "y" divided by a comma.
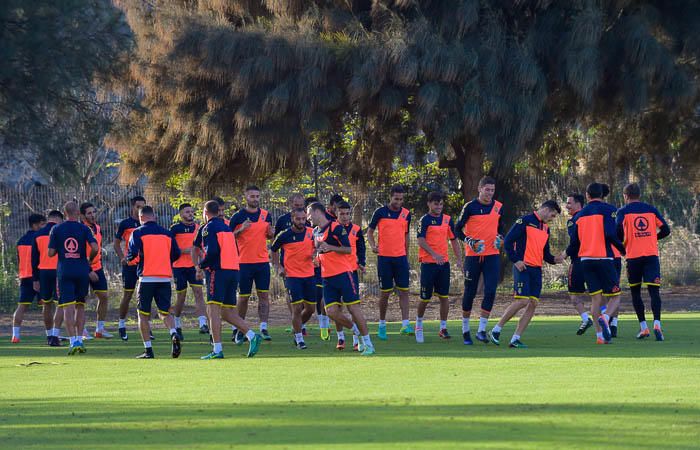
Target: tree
{"x": 237, "y": 90}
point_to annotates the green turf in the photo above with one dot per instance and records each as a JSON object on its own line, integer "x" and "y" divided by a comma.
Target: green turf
{"x": 563, "y": 391}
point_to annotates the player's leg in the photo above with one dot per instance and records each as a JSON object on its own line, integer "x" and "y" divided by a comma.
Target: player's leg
{"x": 491, "y": 271}
{"x": 634, "y": 278}
{"x": 350, "y": 292}
{"x": 521, "y": 298}
{"x": 323, "y": 320}
{"x": 442, "y": 289}
{"x": 401, "y": 274}
{"x": 180, "y": 276}
{"x": 145, "y": 297}
{"x": 129, "y": 279}
{"x": 614, "y": 302}
{"x": 163, "y": 294}
{"x": 386, "y": 286}
{"x": 533, "y": 291}
{"x": 199, "y": 307}
{"x": 82, "y": 287}
{"x": 17, "y": 319}
{"x": 428, "y": 275}
{"x": 262, "y": 287}
{"x": 230, "y": 314}
{"x": 472, "y": 272}
{"x": 652, "y": 279}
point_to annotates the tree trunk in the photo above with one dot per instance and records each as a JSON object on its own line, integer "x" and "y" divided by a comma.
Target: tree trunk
{"x": 470, "y": 166}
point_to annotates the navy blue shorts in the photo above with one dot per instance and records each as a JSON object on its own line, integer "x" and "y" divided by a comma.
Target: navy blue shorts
{"x": 617, "y": 262}
{"x": 221, "y": 287}
{"x": 434, "y": 277}
{"x": 601, "y": 277}
{"x": 101, "y": 284}
{"x": 27, "y": 294}
{"x": 72, "y": 287}
{"x": 341, "y": 290}
{"x": 256, "y": 272}
{"x": 47, "y": 285}
{"x": 475, "y": 266}
{"x": 302, "y": 290}
{"x": 160, "y": 291}
{"x": 184, "y": 275}
{"x": 645, "y": 270}
{"x": 528, "y": 283}
{"x": 129, "y": 277}
{"x": 577, "y": 281}
{"x": 393, "y": 270}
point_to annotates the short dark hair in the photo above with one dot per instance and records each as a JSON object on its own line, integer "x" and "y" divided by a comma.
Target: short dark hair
{"x": 596, "y": 190}
{"x": 317, "y": 206}
{"x": 299, "y": 210}
{"x": 212, "y": 207}
{"x": 36, "y": 218}
{"x": 252, "y": 187}
{"x": 578, "y": 198}
{"x": 55, "y": 214}
{"x": 606, "y": 190}
{"x": 310, "y": 200}
{"x": 632, "y": 191}
{"x": 487, "y": 180}
{"x": 336, "y": 199}
{"x": 84, "y": 207}
{"x": 147, "y": 211}
{"x": 552, "y": 205}
{"x": 344, "y": 205}
{"x": 183, "y": 206}
{"x": 137, "y": 198}
{"x": 220, "y": 201}
{"x": 397, "y": 189}
{"x": 435, "y": 197}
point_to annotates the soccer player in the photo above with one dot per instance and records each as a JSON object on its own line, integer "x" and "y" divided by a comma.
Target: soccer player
{"x": 324, "y": 322}
{"x": 295, "y": 201}
{"x": 153, "y": 249}
{"x": 359, "y": 261}
{"x": 391, "y": 223}
{"x": 252, "y": 227}
{"x": 333, "y": 204}
{"x": 129, "y": 276}
{"x": 27, "y": 293}
{"x": 339, "y": 288}
{"x": 576, "y": 282}
{"x": 593, "y": 236}
{"x": 69, "y": 240}
{"x": 88, "y": 215}
{"x": 479, "y": 227}
{"x": 184, "y": 272}
{"x": 435, "y": 230}
{"x": 220, "y": 267}
{"x": 44, "y": 277}
{"x": 640, "y": 226}
{"x": 297, "y": 268}
{"x": 527, "y": 245}
{"x": 222, "y": 209}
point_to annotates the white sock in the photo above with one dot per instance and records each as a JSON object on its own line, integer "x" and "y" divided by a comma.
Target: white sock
{"x": 15, "y": 332}
{"x": 250, "y": 335}
{"x": 584, "y": 317}
{"x": 48, "y": 332}
{"x": 217, "y": 347}
{"x": 603, "y": 309}
{"x": 483, "y": 321}
{"x": 263, "y": 326}
{"x": 405, "y": 323}
{"x": 367, "y": 341}
{"x": 55, "y": 332}
{"x": 233, "y": 329}
{"x": 496, "y": 329}
{"x": 178, "y": 323}
{"x": 341, "y": 335}
{"x": 355, "y": 340}
{"x": 147, "y": 344}
{"x": 322, "y": 321}
{"x": 72, "y": 340}
{"x": 657, "y": 324}
{"x": 643, "y": 325}
{"x": 419, "y": 322}
{"x": 613, "y": 322}
{"x": 122, "y": 323}
{"x": 465, "y": 324}
{"x": 599, "y": 335}
{"x": 100, "y": 325}
{"x": 382, "y": 323}
{"x": 298, "y": 337}
{"x": 79, "y": 339}
{"x": 202, "y": 321}
{"x": 514, "y": 338}
{"x": 355, "y": 330}
{"x": 443, "y": 324}
{"x": 607, "y": 317}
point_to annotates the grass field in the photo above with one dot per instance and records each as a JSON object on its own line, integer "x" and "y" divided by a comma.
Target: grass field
{"x": 563, "y": 391}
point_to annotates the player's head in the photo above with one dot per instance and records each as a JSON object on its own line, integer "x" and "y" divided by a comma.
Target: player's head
{"x": 296, "y": 201}
{"x": 147, "y": 214}
{"x": 574, "y": 203}
{"x": 487, "y": 189}
{"x": 71, "y": 210}
{"x": 186, "y": 212}
{"x": 396, "y": 196}
{"x": 333, "y": 203}
{"x": 89, "y": 213}
{"x": 597, "y": 191}
{"x": 222, "y": 205}
{"x": 55, "y": 216}
{"x": 632, "y": 192}
{"x": 344, "y": 211}
{"x": 309, "y": 200}
{"x": 211, "y": 210}
{"x": 299, "y": 218}
{"x": 36, "y": 221}
{"x": 435, "y": 203}
{"x": 316, "y": 213}
{"x": 252, "y": 196}
{"x": 137, "y": 202}
{"x": 548, "y": 211}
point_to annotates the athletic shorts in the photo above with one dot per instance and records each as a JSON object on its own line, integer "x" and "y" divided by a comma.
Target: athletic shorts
{"x": 434, "y": 277}
{"x": 184, "y": 275}
{"x": 474, "y": 267}
{"x": 258, "y": 273}
{"x": 221, "y": 287}
{"x": 47, "y": 285}
{"x": 101, "y": 284}
{"x": 72, "y": 287}
{"x": 528, "y": 283}
{"x": 129, "y": 277}
{"x": 341, "y": 290}
{"x": 302, "y": 290}
{"x": 393, "y": 270}
{"x": 27, "y": 294}
{"x": 577, "y": 281}
{"x": 617, "y": 262}
{"x": 644, "y": 270}
{"x": 601, "y": 277}
{"x": 160, "y": 291}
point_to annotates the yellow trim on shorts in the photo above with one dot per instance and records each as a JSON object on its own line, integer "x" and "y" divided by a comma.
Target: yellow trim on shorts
{"x": 635, "y": 284}
{"x": 214, "y": 302}
{"x": 24, "y": 303}
{"x": 48, "y": 301}
{"x": 386, "y": 290}
{"x": 577, "y": 293}
{"x": 319, "y": 285}
{"x": 180, "y": 290}
{"x": 534, "y": 298}
{"x": 245, "y": 295}
{"x": 297, "y": 302}
{"x": 165, "y": 313}
{"x": 197, "y": 285}
{"x": 333, "y": 303}
{"x": 614, "y": 294}
{"x": 143, "y": 312}
{"x": 402, "y": 288}
{"x": 261, "y": 290}
{"x": 68, "y": 304}
{"x": 423, "y": 300}
{"x": 521, "y": 297}
{"x": 309, "y": 302}
{"x": 651, "y": 284}
{"x": 129, "y": 290}
{"x": 443, "y": 296}
{"x": 228, "y": 306}
{"x": 100, "y": 290}
{"x": 352, "y": 303}
{"x": 599, "y": 291}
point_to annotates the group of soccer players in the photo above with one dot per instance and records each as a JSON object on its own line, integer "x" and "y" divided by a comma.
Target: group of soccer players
{"x": 321, "y": 254}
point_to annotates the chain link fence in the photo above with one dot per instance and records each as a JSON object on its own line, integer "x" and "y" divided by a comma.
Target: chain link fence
{"x": 680, "y": 253}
